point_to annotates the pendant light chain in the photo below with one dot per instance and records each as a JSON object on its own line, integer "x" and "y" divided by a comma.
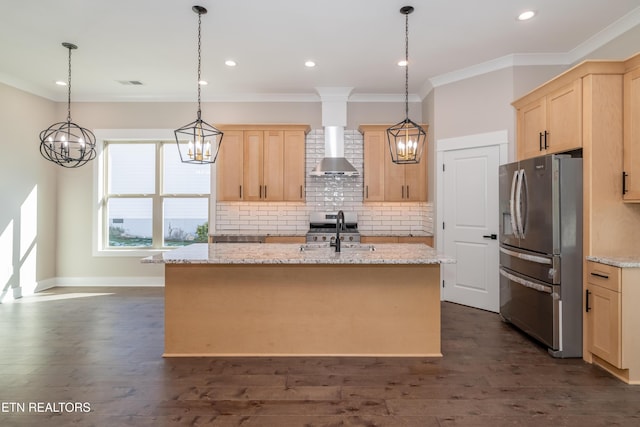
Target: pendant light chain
{"x": 406, "y": 68}
{"x": 199, "y": 61}
{"x": 69, "y": 90}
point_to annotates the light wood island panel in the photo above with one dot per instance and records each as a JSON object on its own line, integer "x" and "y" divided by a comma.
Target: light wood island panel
{"x": 311, "y": 310}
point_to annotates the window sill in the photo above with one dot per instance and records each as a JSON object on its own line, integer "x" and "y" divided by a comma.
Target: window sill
{"x": 134, "y": 252}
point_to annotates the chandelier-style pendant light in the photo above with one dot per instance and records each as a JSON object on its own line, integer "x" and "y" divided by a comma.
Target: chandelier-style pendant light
{"x": 406, "y": 139}
{"x": 66, "y": 143}
{"x": 202, "y": 140}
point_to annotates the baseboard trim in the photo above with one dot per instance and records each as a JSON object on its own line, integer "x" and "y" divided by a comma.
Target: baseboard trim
{"x": 152, "y": 281}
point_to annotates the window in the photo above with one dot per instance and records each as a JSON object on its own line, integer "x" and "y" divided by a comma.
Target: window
{"x": 151, "y": 200}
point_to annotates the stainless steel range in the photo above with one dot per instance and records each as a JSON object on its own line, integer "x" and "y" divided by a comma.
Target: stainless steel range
{"x": 322, "y": 227}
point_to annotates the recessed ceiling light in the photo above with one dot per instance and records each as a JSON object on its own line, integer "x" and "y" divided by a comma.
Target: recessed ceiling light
{"x": 402, "y": 63}
{"x": 203, "y": 82}
{"x": 309, "y": 64}
{"x": 526, "y": 15}
{"x": 230, "y": 63}
{"x": 61, "y": 83}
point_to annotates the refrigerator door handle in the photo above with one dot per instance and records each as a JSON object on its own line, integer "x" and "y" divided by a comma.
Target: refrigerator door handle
{"x": 527, "y": 283}
{"x": 512, "y": 212}
{"x": 527, "y": 257}
{"x": 518, "y": 204}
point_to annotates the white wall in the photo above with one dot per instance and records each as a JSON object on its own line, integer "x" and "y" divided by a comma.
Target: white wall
{"x": 28, "y": 194}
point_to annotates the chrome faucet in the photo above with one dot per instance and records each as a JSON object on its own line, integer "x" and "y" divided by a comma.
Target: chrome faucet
{"x": 339, "y": 225}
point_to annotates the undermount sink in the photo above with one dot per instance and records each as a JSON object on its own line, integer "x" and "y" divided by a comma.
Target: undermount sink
{"x": 344, "y": 247}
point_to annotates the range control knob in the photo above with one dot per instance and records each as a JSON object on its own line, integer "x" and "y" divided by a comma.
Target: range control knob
{"x": 351, "y": 238}
{"x": 324, "y": 237}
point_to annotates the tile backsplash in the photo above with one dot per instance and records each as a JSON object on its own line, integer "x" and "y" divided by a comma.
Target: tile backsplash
{"x": 328, "y": 193}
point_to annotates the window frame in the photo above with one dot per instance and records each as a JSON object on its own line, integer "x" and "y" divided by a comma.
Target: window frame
{"x": 159, "y": 137}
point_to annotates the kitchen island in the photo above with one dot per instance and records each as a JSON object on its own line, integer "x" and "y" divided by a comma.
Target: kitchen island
{"x": 225, "y": 299}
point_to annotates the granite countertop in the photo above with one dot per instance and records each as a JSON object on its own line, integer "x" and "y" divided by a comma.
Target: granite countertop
{"x": 290, "y": 253}
{"x": 617, "y": 261}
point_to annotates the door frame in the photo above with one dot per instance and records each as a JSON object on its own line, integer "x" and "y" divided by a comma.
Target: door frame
{"x": 479, "y": 140}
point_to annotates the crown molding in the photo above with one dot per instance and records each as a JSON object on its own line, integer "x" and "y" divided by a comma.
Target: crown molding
{"x": 616, "y": 29}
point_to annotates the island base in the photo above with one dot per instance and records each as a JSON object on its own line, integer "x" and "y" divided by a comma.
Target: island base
{"x": 302, "y": 310}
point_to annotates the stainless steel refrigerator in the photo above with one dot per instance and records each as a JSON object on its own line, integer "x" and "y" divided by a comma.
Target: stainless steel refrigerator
{"x": 541, "y": 250}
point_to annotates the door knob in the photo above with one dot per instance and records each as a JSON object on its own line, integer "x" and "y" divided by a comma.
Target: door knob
{"x": 490, "y": 236}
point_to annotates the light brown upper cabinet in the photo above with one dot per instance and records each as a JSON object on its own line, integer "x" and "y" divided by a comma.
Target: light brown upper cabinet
{"x": 385, "y": 181}
{"x": 262, "y": 163}
{"x": 375, "y": 147}
{"x": 631, "y": 153}
{"x": 229, "y": 166}
{"x": 551, "y": 123}
{"x": 294, "y": 165}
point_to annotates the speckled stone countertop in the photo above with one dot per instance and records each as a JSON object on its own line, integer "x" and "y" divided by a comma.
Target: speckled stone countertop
{"x": 289, "y": 253}
{"x": 617, "y": 261}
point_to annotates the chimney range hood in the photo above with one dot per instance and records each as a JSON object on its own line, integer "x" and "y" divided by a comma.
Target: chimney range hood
{"x": 334, "y": 120}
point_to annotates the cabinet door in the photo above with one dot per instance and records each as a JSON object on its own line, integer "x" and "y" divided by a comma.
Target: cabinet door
{"x": 415, "y": 181}
{"x": 394, "y": 186}
{"x": 564, "y": 118}
{"x": 253, "y": 154}
{"x": 294, "y": 166}
{"x": 375, "y": 146}
{"x": 531, "y": 122}
{"x": 229, "y": 167}
{"x": 632, "y": 135}
{"x": 604, "y": 324}
{"x": 273, "y": 166}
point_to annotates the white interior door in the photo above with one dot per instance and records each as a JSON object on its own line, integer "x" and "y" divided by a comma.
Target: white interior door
{"x": 470, "y": 226}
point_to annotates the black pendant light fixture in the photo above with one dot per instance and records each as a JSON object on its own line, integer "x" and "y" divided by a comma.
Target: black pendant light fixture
{"x": 406, "y": 139}
{"x": 202, "y": 140}
{"x": 66, "y": 143}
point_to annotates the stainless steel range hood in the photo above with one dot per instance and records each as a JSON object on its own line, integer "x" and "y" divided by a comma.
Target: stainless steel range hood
{"x": 334, "y": 120}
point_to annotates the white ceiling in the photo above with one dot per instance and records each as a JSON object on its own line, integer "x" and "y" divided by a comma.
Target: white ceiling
{"x": 356, "y": 43}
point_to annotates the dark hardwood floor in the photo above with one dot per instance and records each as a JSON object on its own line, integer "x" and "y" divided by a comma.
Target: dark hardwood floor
{"x": 101, "y": 348}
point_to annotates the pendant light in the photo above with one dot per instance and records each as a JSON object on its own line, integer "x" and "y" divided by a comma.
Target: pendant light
{"x": 66, "y": 143}
{"x": 202, "y": 140}
{"x": 406, "y": 139}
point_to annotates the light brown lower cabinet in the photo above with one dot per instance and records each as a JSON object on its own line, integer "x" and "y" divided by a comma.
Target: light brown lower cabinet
{"x": 284, "y": 239}
{"x": 613, "y": 319}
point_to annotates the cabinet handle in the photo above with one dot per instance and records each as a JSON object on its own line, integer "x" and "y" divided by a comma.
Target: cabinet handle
{"x": 624, "y": 183}
{"x": 540, "y": 141}
{"x": 260, "y": 192}
{"x": 587, "y": 308}
{"x": 407, "y": 191}
{"x": 602, "y": 276}
{"x": 366, "y": 191}
{"x": 265, "y": 191}
{"x": 545, "y": 139}
{"x": 403, "y": 191}
{"x": 240, "y": 191}
{"x": 301, "y": 192}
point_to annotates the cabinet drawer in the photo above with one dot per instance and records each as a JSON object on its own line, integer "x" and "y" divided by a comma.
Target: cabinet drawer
{"x": 604, "y": 275}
